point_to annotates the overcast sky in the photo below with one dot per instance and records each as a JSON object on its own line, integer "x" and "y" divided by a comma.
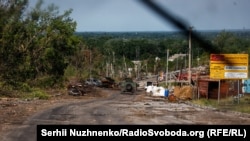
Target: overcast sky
{"x": 132, "y": 15}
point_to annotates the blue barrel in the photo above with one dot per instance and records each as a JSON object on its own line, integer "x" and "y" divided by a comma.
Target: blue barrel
{"x": 166, "y": 92}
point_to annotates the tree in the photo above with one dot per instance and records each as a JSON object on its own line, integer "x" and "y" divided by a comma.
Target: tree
{"x": 36, "y": 44}
{"x": 11, "y": 47}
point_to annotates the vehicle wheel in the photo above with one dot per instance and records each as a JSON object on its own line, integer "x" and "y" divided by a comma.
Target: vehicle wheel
{"x": 129, "y": 87}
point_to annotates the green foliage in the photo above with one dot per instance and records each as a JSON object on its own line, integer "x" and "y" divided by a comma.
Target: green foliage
{"x": 122, "y": 48}
{"x": 23, "y": 91}
{"x": 35, "y": 43}
{"x": 70, "y": 71}
{"x": 24, "y": 87}
{"x": 226, "y": 103}
{"x": 205, "y": 102}
{"x": 229, "y": 43}
{"x": 36, "y": 93}
{"x": 48, "y": 82}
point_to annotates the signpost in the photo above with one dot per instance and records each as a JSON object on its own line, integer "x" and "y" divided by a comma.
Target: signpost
{"x": 229, "y": 66}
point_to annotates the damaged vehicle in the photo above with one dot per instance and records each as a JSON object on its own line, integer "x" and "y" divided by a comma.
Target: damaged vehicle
{"x": 79, "y": 89}
{"x": 93, "y": 82}
{"x": 128, "y": 86}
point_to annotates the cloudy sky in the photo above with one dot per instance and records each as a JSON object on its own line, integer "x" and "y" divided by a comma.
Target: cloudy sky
{"x": 133, "y": 15}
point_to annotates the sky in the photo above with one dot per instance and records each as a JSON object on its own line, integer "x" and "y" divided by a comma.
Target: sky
{"x": 133, "y": 15}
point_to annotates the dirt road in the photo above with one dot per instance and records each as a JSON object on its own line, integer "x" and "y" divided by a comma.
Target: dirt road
{"x": 115, "y": 108}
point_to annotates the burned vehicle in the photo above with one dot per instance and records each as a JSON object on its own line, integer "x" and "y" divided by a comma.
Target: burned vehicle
{"x": 108, "y": 82}
{"x": 128, "y": 86}
{"x": 79, "y": 89}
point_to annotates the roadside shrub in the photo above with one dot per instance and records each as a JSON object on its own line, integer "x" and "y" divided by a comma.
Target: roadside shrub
{"x": 40, "y": 95}
{"x": 36, "y": 94}
{"x": 48, "y": 82}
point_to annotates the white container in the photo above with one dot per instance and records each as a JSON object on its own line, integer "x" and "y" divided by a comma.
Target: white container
{"x": 158, "y": 91}
{"x": 149, "y": 89}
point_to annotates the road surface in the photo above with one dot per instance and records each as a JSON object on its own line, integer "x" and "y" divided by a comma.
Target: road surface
{"x": 119, "y": 109}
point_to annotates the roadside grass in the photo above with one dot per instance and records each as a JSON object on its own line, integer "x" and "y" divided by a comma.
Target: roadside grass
{"x": 241, "y": 104}
{"x": 36, "y": 94}
{"x": 31, "y": 93}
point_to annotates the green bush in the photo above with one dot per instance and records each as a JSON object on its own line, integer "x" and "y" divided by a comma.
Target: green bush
{"x": 48, "y": 82}
{"x": 40, "y": 95}
{"x": 70, "y": 71}
{"x": 36, "y": 94}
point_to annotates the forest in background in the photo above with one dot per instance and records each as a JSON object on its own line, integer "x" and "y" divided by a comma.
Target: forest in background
{"x": 116, "y": 47}
{"x": 41, "y": 49}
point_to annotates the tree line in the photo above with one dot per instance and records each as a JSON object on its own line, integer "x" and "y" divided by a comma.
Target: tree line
{"x": 148, "y": 49}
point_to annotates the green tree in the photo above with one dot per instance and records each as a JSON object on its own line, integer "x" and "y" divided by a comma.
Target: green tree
{"x": 36, "y": 44}
{"x": 228, "y": 42}
{"x": 12, "y": 52}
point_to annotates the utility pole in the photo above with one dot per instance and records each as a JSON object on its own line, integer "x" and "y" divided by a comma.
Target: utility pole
{"x": 167, "y": 69}
{"x": 90, "y": 64}
{"x": 189, "y": 58}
